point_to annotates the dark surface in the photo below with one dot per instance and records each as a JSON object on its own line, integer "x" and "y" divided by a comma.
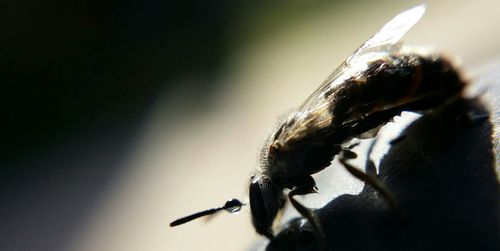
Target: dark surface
{"x": 443, "y": 174}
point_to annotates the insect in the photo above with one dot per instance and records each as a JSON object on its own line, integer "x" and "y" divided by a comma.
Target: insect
{"x": 380, "y": 80}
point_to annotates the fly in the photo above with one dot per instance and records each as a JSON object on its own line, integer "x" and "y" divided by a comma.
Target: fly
{"x": 379, "y": 81}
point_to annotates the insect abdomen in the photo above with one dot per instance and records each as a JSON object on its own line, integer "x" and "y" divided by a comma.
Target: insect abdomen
{"x": 411, "y": 82}
{"x": 439, "y": 81}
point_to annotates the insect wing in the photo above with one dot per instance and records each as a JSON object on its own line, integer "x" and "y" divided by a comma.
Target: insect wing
{"x": 386, "y": 38}
{"x": 314, "y": 111}
{"x": 384, "y": 41}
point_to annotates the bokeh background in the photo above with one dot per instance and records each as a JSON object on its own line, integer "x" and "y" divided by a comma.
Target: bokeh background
{"x": 120, "y": 117}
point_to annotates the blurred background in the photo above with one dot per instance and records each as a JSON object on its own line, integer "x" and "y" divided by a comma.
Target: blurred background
{"x": 121, "y": 117}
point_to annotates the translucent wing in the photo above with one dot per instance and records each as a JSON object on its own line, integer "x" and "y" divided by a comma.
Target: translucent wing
{"x": 313, "y": 112}
{"x": 383, "y": 42}
{"x": 385, "y": 39}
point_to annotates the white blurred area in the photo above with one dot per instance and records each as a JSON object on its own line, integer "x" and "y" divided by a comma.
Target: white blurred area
{"x": 186, "y": 163}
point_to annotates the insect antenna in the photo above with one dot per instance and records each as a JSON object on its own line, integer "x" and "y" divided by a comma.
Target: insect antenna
{"x": 231, "y": 206}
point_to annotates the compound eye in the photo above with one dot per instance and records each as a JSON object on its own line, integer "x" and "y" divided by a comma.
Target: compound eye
{"x": 265, "y": 202}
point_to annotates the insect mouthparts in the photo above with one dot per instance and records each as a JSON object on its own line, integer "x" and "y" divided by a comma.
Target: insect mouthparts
{"x": 231, "y": 206}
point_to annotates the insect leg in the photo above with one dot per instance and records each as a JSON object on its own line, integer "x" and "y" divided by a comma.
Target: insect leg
{"x": 367, "y": 178}
{"x": 307, "y": 188}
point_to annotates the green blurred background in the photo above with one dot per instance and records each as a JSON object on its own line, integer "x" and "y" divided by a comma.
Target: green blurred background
{"x": 122, "y": 116}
